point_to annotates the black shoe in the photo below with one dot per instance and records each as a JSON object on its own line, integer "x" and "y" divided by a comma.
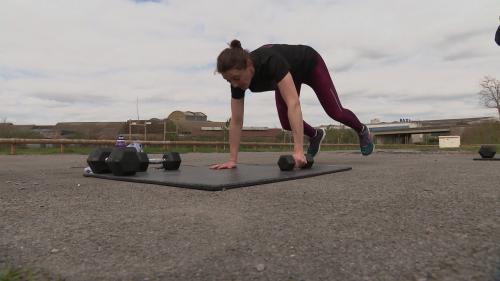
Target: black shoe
{"x": 315, "y": 142}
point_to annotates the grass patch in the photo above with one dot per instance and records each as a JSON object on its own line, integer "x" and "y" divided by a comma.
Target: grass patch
{"x": 486, "y": 133}
{"x": 11, "y": 273}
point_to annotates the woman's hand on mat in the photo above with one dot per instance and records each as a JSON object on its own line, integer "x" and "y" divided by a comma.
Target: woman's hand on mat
{"x": 300, "y": 160}
{"x": 227, "y": 165}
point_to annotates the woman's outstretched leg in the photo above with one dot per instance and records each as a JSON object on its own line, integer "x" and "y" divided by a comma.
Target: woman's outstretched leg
{"x": 321, "y": 82}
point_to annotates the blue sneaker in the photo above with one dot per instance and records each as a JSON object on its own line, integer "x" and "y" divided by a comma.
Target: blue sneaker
{"x": 315, "y": 142}
{"x": 366, "y": 141}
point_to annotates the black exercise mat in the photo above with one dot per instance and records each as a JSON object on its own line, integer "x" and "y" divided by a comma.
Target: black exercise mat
{"x": 212, "y": 180}
{"x": 488, "y": 159}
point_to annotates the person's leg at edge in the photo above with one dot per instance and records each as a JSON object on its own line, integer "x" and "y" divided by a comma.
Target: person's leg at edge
{"x": 321, "y": 82}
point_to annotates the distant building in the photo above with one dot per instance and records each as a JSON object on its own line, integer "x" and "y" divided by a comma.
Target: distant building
{"x": 195, "y": 125}
{"x": 187, "y": 116}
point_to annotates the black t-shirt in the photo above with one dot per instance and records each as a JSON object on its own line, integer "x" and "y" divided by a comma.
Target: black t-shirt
{"x": 273, "y": 62}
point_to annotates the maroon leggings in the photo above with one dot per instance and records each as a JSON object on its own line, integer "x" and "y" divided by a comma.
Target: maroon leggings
{"x": 319, "y": 80}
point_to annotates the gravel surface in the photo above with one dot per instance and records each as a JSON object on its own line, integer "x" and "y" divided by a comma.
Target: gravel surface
{"x": 395, "y": 216}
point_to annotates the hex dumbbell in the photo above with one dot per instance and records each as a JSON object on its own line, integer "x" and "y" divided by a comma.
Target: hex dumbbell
{"x": 127, "y": 161}
{"x": 97, "y": 160}
{"x": 487, "y": 151}
{"x": 287, "y": 162}
{"x": 169, "y": 161}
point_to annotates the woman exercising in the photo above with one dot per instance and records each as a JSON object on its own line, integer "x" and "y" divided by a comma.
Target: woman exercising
{"x": 284, "y": 68}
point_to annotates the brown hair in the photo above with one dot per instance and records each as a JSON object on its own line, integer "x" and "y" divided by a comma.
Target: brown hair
{"x": 233, "y": 57}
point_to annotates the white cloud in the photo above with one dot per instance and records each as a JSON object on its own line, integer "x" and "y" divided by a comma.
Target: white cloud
{"x": 90, "y": 60}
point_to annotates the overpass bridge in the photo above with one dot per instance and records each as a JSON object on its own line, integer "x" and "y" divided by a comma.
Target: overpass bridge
{"x": 405, "y": 135}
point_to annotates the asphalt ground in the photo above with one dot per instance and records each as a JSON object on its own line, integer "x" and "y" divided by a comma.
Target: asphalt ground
{"x": 397, "y": 215}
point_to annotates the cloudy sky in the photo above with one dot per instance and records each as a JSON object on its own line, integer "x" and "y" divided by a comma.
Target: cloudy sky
{"x": 74, "y": 60}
